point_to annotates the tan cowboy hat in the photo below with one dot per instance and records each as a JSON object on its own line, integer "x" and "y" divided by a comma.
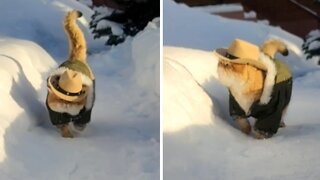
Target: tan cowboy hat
{"x": 68, "y": 86}
{"x": 241, "y": 52}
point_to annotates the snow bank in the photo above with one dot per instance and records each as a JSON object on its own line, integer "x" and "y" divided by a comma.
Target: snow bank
{"x": 185, "y": 102}
{"x": 23, "y": 65}
{"x": 146, "y": 53}
{"x": 115, "y": 28}
{"x": 221, "y": 8}
{"x": 193, "y": 60}
{"x": 250, "y": 15}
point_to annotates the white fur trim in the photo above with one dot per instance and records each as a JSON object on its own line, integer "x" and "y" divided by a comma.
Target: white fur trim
{"x": 237, "y": 86}
{"x": 270, "y": 78}
{"x": 85, "y": 80}
{"x": 244, "y": 101}
{"x": 67, "y": 108}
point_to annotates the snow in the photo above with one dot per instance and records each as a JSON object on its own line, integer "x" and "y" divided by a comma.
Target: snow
{"x": 200, "y": 146}
{"x": 315, "y": 32}
{"x": 311, "y": 43}
{"x": 312, "y": 35}
{"x": 86, "y": 2}
{"x": 265, "y": 22}
{"x": 103, "y": 11}
{"x": 121, "y": 142}
{"x": 115, "y": 28}
{"x": 147, "y": 64}
{"x": 314, "y": 45}
{"x": 250, "y": 15}
{"x": 223, "y": 8}
{"x": 186, "y": 103}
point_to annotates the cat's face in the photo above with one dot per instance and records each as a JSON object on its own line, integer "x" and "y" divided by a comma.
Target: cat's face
{"x": 243, "y": 78}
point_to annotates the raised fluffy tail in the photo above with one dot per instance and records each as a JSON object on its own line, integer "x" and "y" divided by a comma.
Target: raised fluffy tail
{"x": 272, "y": 46}
{"x": 77, "y": 42}
{"x": 269, "y": 49}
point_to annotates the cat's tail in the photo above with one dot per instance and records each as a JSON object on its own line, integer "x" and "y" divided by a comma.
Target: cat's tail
{"x": 77, "y": 42}
{"x": 272, "y": 46}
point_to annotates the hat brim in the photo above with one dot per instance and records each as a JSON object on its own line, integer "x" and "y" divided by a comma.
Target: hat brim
{"x": 64, "y": 96}
{"x": 222, "y": 52}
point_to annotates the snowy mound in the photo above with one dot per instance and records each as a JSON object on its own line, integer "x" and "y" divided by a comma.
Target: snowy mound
{"x": 194, "y": 60}
{"x": 23, "y": 65}
{"x": 146, "y": 55}
{"x": 185, "y": 102}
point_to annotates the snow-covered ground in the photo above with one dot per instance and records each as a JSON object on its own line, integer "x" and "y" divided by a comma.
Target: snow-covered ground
{"x": 121, "y": 142}
{"x": 198, "y": 145}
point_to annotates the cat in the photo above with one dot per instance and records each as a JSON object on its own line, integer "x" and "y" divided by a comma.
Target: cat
{"x": 253, "y": 91}
{"x": 65, "y": 106}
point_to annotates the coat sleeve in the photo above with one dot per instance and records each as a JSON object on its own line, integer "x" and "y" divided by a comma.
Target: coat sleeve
{"x": 234, "y": 108}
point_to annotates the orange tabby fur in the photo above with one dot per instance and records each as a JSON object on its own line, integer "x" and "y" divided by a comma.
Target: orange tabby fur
{"x": 243, "y": 80}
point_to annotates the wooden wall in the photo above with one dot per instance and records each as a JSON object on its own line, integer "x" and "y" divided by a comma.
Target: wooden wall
{"x": 285, "y": 14}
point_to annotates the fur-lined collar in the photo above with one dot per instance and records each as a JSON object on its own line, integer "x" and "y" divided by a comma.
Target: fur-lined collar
{"x": 269, "y": 79}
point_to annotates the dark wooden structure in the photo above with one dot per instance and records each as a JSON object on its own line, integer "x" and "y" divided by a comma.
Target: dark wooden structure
{"x": 287, "y": 14}
{"x": 205, "y": 2}
{"x": 108, "y": 3}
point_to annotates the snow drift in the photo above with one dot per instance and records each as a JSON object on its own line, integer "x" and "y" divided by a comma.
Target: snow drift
{"x": 23, "y": 65}
{"x": 146, "y": 57}
{"x": 185, "y": 101}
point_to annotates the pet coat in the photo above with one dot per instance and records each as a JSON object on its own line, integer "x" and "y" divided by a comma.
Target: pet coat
{"x": 84, "y": 115}
{"x": 268, "y": 115}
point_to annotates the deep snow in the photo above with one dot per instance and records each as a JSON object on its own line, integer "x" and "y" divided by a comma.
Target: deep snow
{"x": 121, "y": 142}
{"x": 200, "y": 146}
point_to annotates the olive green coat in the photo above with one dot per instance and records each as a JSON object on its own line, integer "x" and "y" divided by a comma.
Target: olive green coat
{"x": 84, "y": 115}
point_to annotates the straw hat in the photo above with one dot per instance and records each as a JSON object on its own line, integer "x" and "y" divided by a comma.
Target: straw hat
{"x": 241, "y": 52}
{"x": 68, "y": 86}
